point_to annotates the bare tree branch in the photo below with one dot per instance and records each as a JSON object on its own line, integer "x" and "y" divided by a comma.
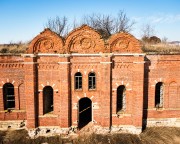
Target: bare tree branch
{"x": 58, "y": 25}
{"x": 123, "y": 23}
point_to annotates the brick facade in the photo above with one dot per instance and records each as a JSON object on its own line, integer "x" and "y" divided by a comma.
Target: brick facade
{"x": 52, "y": 61}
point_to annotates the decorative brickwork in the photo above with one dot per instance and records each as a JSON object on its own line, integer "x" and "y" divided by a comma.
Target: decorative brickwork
{"x": 84, "y": 40}
{"x": 47, "y": 42}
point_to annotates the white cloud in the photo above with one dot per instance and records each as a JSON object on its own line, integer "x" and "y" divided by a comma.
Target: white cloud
{"x": 159, "y": 18}
{"x": 165, "y": 18}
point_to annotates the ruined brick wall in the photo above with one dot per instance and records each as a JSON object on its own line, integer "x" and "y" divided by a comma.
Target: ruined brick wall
{"x": 165, "y": 69}
{"x": 12, "y": 71}
{"x": 52, "y": 62}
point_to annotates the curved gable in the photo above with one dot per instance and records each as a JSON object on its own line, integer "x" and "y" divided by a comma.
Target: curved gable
{"x": 84, "y": 40}
{"x": 123, "y": 43}
{"x": 46, "y": 42}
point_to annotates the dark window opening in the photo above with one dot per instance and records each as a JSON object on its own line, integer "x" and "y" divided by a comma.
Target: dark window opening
{"x": 78, "y": 81}
{"x": 9, "y": 98}
{"x": 159, "y": 95}
{"x": 47, "y": 99}
{"x": 121, "y": 95}
{"x": 92, "y": 81}
{"x": 85, "y": 112}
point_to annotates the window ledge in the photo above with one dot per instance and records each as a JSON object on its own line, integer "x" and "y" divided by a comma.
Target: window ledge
{"x": 91, "y": 89}
{"x": 48, "y": 115}
{"x": 159, "y": 108}
{"x": 12, "y": 110}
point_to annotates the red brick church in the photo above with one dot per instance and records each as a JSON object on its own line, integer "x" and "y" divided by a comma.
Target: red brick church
{"x": 69, "y": 82}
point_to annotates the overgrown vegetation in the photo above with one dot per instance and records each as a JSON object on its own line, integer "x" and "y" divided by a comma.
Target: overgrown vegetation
{"x": 160, "y": 48}
{"x": 13, "y": 48}
{"x": 154, "y": 135}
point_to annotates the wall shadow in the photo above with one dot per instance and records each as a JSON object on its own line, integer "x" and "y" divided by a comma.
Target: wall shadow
{"x": 145, "y": 92}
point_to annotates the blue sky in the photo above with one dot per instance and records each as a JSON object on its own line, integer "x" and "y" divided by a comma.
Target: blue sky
{"x": 21, "y": 20}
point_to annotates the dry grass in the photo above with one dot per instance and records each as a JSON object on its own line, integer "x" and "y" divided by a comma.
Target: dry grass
{"x": 163, "y": 48}
{"x": 161, "y": 135}
{"x": 13, "y": 48}
{"x": 154, "y": 135}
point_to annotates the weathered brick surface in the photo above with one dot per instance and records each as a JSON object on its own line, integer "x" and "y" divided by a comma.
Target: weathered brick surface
{"x": 53, "y": 61}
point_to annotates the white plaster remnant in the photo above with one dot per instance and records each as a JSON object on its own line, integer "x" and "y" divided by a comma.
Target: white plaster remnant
{"x": 85, "y": 95}
{"x": 42, "y": 85}
{"x": 53, "y": 85}
{"x": 13, "y": 82}
{"x": 92, "y": 97}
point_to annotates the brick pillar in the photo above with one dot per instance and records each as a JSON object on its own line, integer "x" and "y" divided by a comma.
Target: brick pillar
{"x": 65, "y": 93}
{"x": 2, "y": 99}
{"x": 138, "y": 83}
{"x": 31, "y": 89}
{"x": 16, "y": 94}
{"x": 105, "y": 105}
{"x": 40, "y": 97}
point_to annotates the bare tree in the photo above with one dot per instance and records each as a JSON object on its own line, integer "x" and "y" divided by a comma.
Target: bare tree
{"x": 107, "y": 25}
{"x": 102, "y": 23}
{"x": 58, "y": 25}
{"x": 123, "y": 23}
{"x": 147, "y": 30}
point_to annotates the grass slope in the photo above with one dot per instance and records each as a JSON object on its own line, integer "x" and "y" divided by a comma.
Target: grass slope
{"x": 154, "y": 135}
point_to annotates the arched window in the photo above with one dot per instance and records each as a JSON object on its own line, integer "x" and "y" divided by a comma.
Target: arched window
{"x": 92, "y": 81}
{"x": 47, "y": 99}
{"x": 121, "y": 98}
{"x": 159, "y": 95}
{"x": 8, "y": 95}
{"x": 78, "y": 81}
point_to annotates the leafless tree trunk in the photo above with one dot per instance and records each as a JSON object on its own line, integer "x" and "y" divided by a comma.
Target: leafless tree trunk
{"x": 58, "y": 25}
{"x": 107, "y": 25}
{"x": 123, "y": 23}
{"x": 147, "y": 30}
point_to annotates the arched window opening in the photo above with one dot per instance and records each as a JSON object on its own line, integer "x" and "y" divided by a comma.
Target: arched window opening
{"x": 121, "y": 98}
{"x": 78, "y": 81}
{"x": 159, "y": 95}
{"x": 47, "y": 99}
{"x": 92, "y": 81}
{"x": 8, "y": 95}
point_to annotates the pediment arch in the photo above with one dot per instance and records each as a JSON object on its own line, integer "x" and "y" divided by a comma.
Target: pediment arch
{"x": 124, "y": 43}
{"x": 46, "y": 42}
{"x": 84, "y": 40}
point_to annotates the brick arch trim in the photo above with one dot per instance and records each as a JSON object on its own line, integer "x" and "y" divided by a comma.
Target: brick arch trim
{"x": 47, "y": 42}
{"x": 84, "y": 40}
{"x": 15, "y": 83}
{"x": 124, "y": 42}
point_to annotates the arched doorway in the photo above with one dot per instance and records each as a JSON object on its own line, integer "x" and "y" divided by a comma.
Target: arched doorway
{"x": 47, "y": 99}
{"x": 85, "y": 112}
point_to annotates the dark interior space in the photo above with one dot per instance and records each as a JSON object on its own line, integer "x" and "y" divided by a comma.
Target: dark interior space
{"x": 85, "y": 112}
{"x": 9, "y": 99}
{"x": 47, "y": 99}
